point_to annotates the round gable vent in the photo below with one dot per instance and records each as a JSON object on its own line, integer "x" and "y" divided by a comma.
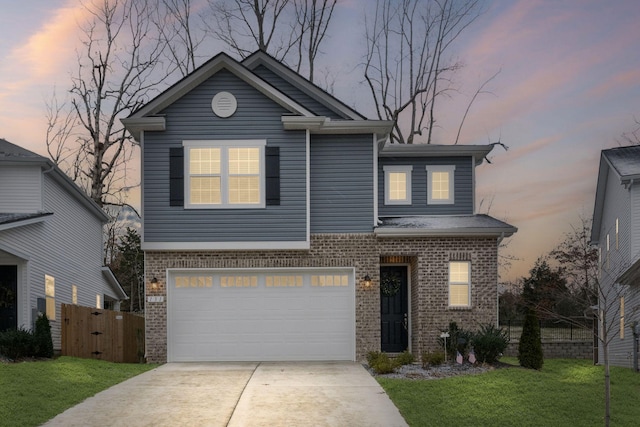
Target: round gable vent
{"x": 224, "y": 104}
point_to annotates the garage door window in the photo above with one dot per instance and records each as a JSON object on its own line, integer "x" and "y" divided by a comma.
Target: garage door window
{"x": 194, "y": 281}
{"x": 239, "y": 281}
{"x": 330, "y": 280}
{"x": 283, "y": 281}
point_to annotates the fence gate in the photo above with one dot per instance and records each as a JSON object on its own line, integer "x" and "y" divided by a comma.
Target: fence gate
{"x": 93, "y": 333}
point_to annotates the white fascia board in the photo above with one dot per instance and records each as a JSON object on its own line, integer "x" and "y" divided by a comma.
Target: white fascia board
{"x": 225, "y": 246}
{"x": 470, "y": 232}
{"x": 479, "y": 152}
{"x": 324, "y": 125}
{"x": 137, "y": 125}
{"x": 115, "y": 284}
{"x": 22, "y": 223}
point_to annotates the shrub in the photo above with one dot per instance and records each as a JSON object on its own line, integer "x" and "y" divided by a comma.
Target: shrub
{"x": 489, "y": 343}
{"x": 432, "y": 358}
{"x": 405, "y": 358}
{"x": 530, "y": 346}
{"x": 17, "y": 343}
{"x": 380, "y": 362}
{"x": 42, "y": 337}
{"x": 459, "y": 340}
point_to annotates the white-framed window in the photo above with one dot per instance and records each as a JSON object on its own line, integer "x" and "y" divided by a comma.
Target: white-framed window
{"x": 98, "y": 301}
{"x": 224, "y": 174}
{"x": 397, "y": 185}
{"x": 74, "y": 294}
{"x": 617, "y": 234}
{"x": 440, "y": 189}
{"x": 50, "y": 296}
{"x": 459, "y": 284}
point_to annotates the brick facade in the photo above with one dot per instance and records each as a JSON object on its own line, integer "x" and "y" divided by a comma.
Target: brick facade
{"x": 427, "y": 259}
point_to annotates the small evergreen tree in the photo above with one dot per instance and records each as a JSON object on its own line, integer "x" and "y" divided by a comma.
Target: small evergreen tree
{"x": 42, "y": 335}
{"x": 530, "y": 346}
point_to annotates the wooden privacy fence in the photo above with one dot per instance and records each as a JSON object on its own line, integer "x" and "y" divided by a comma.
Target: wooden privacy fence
{"x": 93, "y": 333}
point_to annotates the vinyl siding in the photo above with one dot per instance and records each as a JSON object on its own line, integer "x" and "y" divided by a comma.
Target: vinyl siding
{"x": 617, "y": 204}
{"x": 67, "y": 246}
{"x": 341, "y": 183}
{"x": 257, "y": 117}
{"x": 20, "y": 189}
{"x": 463, "y": 187}
{"x": 295, "y": 93}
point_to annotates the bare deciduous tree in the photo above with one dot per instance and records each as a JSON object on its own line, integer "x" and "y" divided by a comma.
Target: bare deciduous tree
{"x": 313, "y": 18}
{"x": 116, "y": 74}
{"x": 177, "y": 30}
{"x": 592, "y": 281}
{"x": 407, "y": 65}
{"x": 249, "y": 25}
{"x": 291, "y": 31}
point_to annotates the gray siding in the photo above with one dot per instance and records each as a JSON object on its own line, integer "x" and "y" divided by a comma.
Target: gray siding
{"x": 618, "y": 204}
{"x": 341, "y": 183}
{"x": 67, "y": 246}
{"x": 294, "y": 93}
{"x": 20, "y": 189}
{"x": 463, "y": 187}
{"x": 257, "y": 117}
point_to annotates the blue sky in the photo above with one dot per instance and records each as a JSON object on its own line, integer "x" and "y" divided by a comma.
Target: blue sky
{"x": 568, "y": 87}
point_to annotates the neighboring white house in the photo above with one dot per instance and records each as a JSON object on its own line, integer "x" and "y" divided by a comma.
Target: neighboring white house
{"x": 616, "y": 232}
{"x": 50, "y": 243}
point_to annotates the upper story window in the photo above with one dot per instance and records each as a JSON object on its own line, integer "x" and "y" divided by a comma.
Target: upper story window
{"x": 397, "y": 185}
{"x": 50, "y": 294}
{"x": 224, "y": 174}
{"x": 440, "y": 185}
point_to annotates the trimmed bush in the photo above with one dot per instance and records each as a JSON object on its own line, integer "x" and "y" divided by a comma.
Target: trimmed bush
{"x": 405, "y": 358}
{"x": 42, "y": 337}
{"x": 17, "y": 343}
{"x": 489, "y": 343}
{"x": 530, "y": 346}
{"x": 380, "y": 362}
{"x": 432, "y": 359}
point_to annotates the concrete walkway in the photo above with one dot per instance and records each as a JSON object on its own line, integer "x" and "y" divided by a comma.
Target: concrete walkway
{"x": 239, "y": 395}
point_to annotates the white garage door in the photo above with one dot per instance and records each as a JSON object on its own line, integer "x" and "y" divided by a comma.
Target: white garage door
{"x": 261, "y": 315}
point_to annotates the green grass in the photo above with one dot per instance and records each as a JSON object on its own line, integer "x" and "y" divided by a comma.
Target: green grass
{"x": 34, "y": 392}
{"x": 563, "y": 393}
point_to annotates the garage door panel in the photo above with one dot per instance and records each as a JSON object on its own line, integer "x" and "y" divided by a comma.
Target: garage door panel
{"x": 284, "y": 315}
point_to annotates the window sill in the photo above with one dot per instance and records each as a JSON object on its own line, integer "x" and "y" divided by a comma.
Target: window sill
{"x": 459, "y": 308}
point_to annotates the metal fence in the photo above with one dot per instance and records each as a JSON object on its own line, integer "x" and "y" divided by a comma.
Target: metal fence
{"x": 552, "y": 330}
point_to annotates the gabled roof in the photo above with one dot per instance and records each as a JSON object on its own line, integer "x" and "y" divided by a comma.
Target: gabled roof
{"x": 323, "y": 97}
{"x": 12, "y": 154}
{"x": 625, "y": 163}
{"x": 149, "y": 117}
{"x": 478, "y": 225}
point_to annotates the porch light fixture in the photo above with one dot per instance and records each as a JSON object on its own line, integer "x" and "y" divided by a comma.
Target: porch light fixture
{"x": 367, "y": 281}
{"x": 154, "y": 283}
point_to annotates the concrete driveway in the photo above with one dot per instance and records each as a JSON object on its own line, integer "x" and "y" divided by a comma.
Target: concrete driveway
{"x": 241, "y": 394}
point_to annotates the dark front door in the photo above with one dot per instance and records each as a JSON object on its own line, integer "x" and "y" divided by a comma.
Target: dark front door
{"x": 393, "y": 309}
{"x": 8, "y": 297}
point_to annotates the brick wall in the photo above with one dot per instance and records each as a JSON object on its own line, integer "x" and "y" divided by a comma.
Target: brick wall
{"x": 427, "y": 259}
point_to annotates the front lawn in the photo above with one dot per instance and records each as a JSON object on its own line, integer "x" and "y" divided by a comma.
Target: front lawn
{"x": 34, "y": 392}
{"x": 564, "y": 393}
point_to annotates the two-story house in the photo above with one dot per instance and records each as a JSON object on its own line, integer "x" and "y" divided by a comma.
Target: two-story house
{"x": 50, "y": 244}
{"x": 616, "y": 233}
{"x": 277, "y": 225}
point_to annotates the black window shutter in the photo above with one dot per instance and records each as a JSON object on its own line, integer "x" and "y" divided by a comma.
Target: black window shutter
{"x": 176, "y": 176}
{"x": 272, "y": 174}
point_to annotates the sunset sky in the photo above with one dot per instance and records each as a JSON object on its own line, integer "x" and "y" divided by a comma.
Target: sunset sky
{"x": 568, "y": 87}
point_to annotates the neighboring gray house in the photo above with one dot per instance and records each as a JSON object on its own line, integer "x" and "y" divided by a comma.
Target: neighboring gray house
{"x": 50, "y": 243}
{"x": 277, "y": 225}
{"x": 616, "y": 233}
